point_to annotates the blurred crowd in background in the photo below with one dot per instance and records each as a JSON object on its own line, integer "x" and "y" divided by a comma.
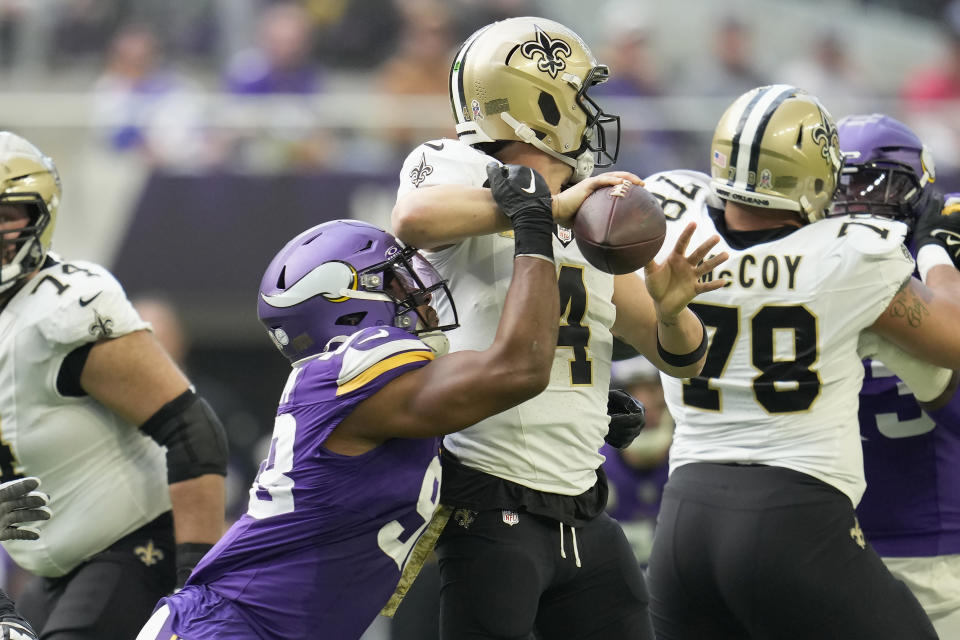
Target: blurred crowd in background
{"x": 135, "y": 98}
{"x": 371, "y": 75}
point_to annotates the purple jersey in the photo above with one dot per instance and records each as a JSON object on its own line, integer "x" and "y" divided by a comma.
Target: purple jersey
{"x": 912, "y": 463}
{"x": 635, "y": 494}
{"x": 326, "y": 536}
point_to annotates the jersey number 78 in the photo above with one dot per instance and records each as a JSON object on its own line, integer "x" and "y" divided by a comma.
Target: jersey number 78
{"x": 782, "y": 385}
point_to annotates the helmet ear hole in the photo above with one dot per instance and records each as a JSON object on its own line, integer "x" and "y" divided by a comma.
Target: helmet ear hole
{"x": 351, "y": 319}
{"x": 549, "y": 109}
{"x": 282, "y": 278}
{"x": 818, "y": 185}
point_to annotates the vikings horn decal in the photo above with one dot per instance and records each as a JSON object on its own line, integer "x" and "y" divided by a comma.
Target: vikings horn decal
{"x": 549, "y": 51}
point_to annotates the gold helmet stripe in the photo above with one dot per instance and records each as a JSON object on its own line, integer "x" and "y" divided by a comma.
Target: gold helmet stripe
{"x": 745, "y": 151}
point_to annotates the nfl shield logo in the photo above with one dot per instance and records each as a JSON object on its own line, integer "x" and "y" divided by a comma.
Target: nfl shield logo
{"x": 511, "y": 517}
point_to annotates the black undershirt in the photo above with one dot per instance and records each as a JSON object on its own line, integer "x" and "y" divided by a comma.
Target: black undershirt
{"x": 745, "y": 239}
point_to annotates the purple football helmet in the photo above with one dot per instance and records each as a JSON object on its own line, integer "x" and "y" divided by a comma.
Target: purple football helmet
{"x": 342, "y": 276}
{"x": 886, "y": 168}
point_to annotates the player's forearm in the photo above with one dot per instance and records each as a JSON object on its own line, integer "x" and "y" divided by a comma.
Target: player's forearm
{"x": 520, "y": 334}
{"x": 440, "y": 215}
{"x": 680, "y": 335}
{"x": 198, "y": 508}
{"x": 944, "y": 280}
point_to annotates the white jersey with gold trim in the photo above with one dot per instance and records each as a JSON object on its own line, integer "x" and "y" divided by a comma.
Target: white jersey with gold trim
{"x": 551, "y": 442}
{"x": 782, "y": 374}
{"x": 104, "y": 477}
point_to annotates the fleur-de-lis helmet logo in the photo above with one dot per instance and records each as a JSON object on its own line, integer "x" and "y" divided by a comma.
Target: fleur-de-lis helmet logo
{"x": 549, "y": 51}
{"x": 826, "y": 136}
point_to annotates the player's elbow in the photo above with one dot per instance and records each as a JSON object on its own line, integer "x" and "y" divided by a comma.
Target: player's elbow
{"x": 533, "y": 380}
{"x": 523, "y": 383}
{"x": 524, "y": 373}
{"x": 410, "y": 220}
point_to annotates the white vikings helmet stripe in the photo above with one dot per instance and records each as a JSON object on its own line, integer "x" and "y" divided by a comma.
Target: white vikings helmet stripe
{"x": 745, "y": 152}
{"x": 331, "y": 280}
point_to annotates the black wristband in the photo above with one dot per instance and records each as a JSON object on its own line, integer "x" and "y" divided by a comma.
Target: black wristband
{"x": 686, "y": 359}
{"x": 533, "y": 233}
{"x": 188, "y": 555}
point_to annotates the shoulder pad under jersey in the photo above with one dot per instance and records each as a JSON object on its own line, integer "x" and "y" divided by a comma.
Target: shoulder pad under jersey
{"x": 443, "y": 161}
{"x": 866, "y": 234}
{"x": 375, "y": 350}
{"x": 681, "y": 191}
{"x": 79, "y": 302}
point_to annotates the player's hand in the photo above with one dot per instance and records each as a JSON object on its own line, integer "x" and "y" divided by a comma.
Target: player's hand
{"x": 676, "y": 281}
{"x": 518, "y": 190}
{"x": 940, "y": 225}
{"x": 627, "y": 418}
{"x": 16, "y": 628}
{"x": 21, "y": 503}
{"x": 567, "y": 202}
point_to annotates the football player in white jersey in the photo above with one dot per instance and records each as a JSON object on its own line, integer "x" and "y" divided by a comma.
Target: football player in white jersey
{"x": 529, "y": 548}
{"x": 757, "y": 536}
{"x": 79, "y": 372}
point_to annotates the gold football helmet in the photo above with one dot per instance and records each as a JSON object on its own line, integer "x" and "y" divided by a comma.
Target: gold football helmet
{"x": 777, "y": 147}
{"x": 527, "y": 79}
{"x": 27, "y": 177}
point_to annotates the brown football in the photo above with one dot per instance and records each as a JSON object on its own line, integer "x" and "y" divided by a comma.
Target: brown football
{"x": 619, "y": 229}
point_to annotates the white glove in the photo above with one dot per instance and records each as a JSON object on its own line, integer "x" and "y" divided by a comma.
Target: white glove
{"x": 16, "y": 628}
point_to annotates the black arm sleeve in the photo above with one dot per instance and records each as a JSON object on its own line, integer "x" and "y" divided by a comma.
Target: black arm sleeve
{"x": 193, "y": 435}
{"x": 68, "y": 378}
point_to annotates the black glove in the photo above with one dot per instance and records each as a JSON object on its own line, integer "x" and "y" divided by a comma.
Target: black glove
{"x": 939, "y": 224}
{"x": 518, "y": 189}
{"x": 627, "y": 418}
{"x": 12, "y": 626}
{"x": 188, "y": 555}
{"x": 523, "y": 196}
{"x": 21, "y": 503}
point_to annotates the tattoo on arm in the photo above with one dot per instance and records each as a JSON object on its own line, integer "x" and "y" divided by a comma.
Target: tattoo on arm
{"x": 909, "y": 304}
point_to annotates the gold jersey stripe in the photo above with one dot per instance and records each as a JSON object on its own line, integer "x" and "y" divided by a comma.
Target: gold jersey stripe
{"x": 382, "y": 367}
{"x": 418, "y": 556}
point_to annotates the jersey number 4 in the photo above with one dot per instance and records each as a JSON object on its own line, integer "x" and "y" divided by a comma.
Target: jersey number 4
{"x": 783, "y": 385}
{"x": 573, "y": 334}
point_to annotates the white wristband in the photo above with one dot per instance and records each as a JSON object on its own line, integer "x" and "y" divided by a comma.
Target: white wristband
{"x": 535, "y": 255}
{"x": 929, "y": 256}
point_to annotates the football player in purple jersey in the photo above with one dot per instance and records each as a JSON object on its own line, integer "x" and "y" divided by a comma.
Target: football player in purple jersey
{"x": 345, "y": 507}
{"x": 911, "y": 450}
